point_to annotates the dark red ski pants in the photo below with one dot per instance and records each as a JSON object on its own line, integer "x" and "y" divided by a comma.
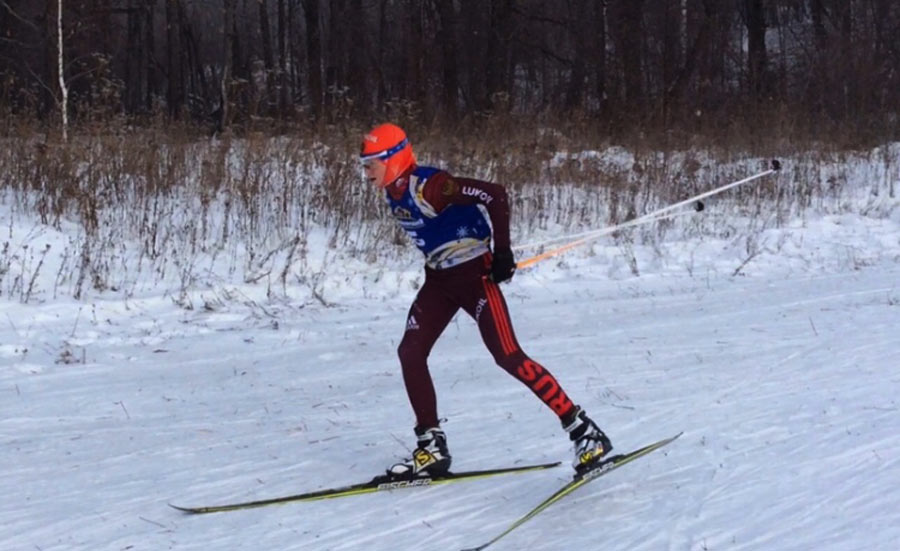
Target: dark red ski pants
{"x": 446, "y": 291}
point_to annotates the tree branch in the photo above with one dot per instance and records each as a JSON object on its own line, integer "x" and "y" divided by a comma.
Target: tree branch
{"x": 546, "y": 52}
{"x": 19, "y": 17}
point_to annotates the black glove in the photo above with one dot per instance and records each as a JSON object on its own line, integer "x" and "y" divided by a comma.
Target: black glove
{"x": 503, "y": 266}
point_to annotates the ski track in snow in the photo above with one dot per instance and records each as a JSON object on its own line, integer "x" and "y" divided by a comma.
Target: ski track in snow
{"x": 786, "y": 388}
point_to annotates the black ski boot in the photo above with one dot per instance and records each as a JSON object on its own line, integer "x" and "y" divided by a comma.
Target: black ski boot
{"x": 591, "y": 444}
{"x": 430, "y": 458}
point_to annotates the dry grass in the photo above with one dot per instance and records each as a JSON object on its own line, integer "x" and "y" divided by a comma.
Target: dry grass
{"x": 164, "y": 204}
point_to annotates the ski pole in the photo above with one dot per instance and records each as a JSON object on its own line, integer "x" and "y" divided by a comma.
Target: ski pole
{"x": 650, "y": 217}
{"x": 593, "y": 233}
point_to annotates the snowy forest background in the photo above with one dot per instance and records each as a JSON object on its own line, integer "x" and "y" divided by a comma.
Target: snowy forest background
{"x": 820, "y": 66}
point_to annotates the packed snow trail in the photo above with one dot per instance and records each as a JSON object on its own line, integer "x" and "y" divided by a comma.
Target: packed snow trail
{"x": 786, "y": 388}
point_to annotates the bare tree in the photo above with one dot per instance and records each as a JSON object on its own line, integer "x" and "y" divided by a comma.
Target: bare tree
{"x": 500, "y": 51}
{"x": 268, "y": 54}
{"x": 63, "y": 88}
{"x": 575, "y": 18}
{"x": 175, "y": 89}
{"x": 283, "y": 89}
{"x": 356, "y": 53}
{"x": 448, "y": 24}
{"x": 314, "y": 56}
{"x": 627, "y": 20}
{"x": 694, "y": 54}
{"x": 227, "y": 65}
{"x": 139, "y": 47}
{"x": 757, "y": 57}
{"x": 598, "y": 22}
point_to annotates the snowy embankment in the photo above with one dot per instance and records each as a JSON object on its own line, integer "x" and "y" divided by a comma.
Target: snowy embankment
{"x": 764, "y": 327}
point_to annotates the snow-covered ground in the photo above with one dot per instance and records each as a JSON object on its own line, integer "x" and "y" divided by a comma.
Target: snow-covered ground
{"x": 775, "y": 352}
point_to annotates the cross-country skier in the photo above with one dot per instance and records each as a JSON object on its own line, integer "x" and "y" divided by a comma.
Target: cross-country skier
{"x": 440, "y": 214}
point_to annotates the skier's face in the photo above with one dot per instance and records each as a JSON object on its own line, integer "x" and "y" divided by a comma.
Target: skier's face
{"x": 374, "y": 170}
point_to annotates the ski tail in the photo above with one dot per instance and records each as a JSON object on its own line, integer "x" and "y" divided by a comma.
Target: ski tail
{"x": 377, "y": 484}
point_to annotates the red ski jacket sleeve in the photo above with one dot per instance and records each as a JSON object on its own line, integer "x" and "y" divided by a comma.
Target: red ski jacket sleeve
{"x": 442, "y": 190}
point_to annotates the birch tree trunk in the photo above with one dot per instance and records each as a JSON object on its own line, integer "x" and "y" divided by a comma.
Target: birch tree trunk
{"x": 64, "y": 90}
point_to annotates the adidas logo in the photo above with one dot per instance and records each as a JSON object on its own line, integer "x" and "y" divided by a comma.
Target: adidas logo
{"x": 411, "y": 323}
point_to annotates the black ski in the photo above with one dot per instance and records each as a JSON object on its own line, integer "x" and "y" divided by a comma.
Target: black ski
{"x": 600, "y": 469}
{"x": 377, "y": 484}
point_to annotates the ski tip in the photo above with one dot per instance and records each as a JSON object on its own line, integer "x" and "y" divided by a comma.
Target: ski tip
{"x": 185, "y": 510}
